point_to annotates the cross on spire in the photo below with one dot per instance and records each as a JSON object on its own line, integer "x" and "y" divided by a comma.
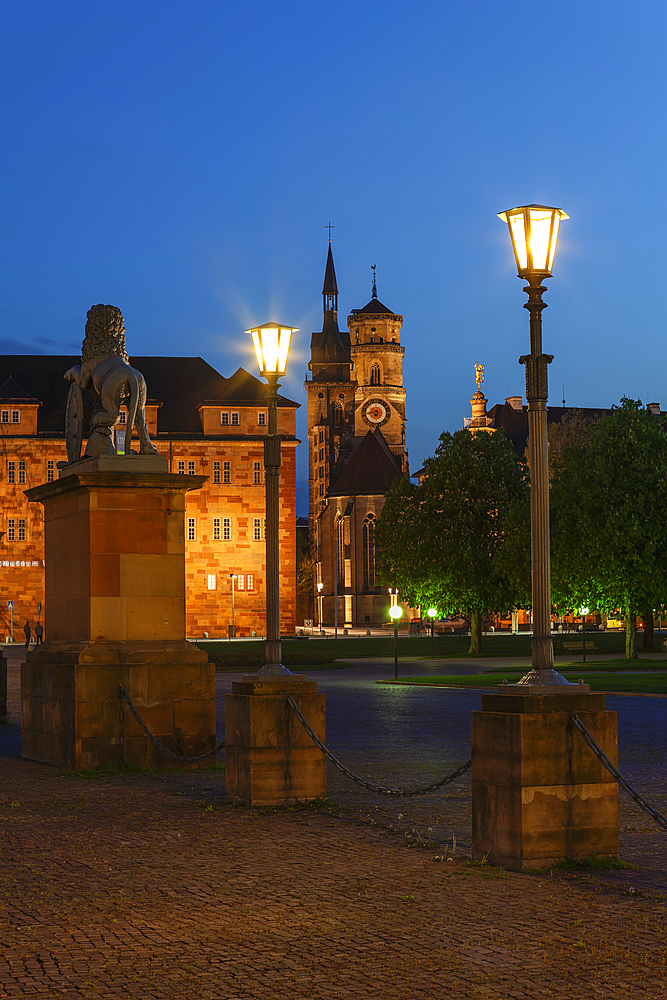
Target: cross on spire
{"x": 329, "y": 227}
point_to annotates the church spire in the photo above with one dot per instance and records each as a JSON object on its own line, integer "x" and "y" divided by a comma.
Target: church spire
{"x": 330, "y": 289}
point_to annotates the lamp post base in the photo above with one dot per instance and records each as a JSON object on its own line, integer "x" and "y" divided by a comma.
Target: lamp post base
{"x": 547, "y": 678}
{"x": 273, "y": 670}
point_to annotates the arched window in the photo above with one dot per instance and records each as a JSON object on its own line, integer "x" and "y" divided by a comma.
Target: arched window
{"x": 375, "y": 374}
{"x": 339, "y": 542}
{"x": 337, "y": 416}
{"x": 368, "y": 542}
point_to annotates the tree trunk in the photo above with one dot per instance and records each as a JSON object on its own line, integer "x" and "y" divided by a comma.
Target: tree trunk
{"x": 648, "y": 629}
{"x": 631, "y": 635}
{"x": 475, "y": 632}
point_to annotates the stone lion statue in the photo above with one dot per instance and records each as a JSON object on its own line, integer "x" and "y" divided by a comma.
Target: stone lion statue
{"x": 106, "y": 372}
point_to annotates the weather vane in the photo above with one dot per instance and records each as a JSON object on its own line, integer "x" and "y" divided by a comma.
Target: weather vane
{"x": 479, "y": 375}
{"x": 329, "y": 227}
{"x": 375, "y": 287}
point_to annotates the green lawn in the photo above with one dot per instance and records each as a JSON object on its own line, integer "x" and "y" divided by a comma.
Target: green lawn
{"x": 622, "y": 683}
{"x": 374, "y": 646}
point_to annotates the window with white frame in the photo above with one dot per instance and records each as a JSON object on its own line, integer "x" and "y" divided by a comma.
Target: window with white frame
{"x": 224, "y": 418}
{"x": 257, "y": 474}
{"x": 22, "y": 473}
{"x": 235, "y": 419}
{"x": 226, "y": 472}
{"x": 216, "y": 529}
{"x": 4, "y": 416}
{"x": 226, "y": 529}
{"x": 240, "y": 581}
{"x": 181, "y": 468}
{"x": 21, "y": 529}
{"x": 11, "y": 472}
{"x": 192, "y": 529}
{"x": 257, "y": 529}
{"x": 250, "y": 581}
{"x": 216, "y": 473}
{"x": 11, "y": 529}
{"x": 16, "y": 416}
{"x": 211, "y": 581}
{"x": 122, "y": 417}
{"x": 261, "y": 419}
{"x": 50, "y": 471}
{"x": 191, "y": 468}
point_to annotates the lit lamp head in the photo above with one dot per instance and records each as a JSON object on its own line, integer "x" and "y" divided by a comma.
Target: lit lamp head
{"x": 432, "y": 612}
{"x": 396, "y": 612}
{"x": 534, "y": 233}
{"x": 271, "y": 342}
{"x": 584, "y": 611}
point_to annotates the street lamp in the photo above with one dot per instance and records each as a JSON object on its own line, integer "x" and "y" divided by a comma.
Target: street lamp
{"x": 271, "y": 342}
{"x": 395, "y": 613}
{"x": 534, "y": 233}
{"x": 320, "y": 588}
{"x": 583, "y": 612}
{"x": 432, "y": 612}
{"x": 232, "y": 634}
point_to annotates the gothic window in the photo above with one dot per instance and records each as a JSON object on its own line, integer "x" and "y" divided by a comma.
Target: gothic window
{"x": 338, "y": 415}
{"x": 375, "y": 374}
{"x": 368, "y": 542}
{"x": 340, "y": 552}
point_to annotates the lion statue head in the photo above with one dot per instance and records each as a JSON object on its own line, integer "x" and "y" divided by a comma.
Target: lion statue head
{"x": 105, "y": 333}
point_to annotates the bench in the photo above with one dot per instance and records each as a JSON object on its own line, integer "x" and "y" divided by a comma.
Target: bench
{"x": 578, "y": 647}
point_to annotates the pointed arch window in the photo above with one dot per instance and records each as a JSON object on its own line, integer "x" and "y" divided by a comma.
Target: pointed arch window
{"x": 375, "y": 374}
{"x": 340, "y": 551}
{"x": 338, "y": 416}
{"x": 368, "y": 543}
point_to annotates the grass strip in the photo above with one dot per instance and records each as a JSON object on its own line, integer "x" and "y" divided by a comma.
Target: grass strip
{"x": 618, "y": 683}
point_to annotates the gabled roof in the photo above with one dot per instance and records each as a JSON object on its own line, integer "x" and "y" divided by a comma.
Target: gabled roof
{"x": 515, "y": 422}
{"x": 179, "y": 384}
{"x": 11, "y": 391}
{"x": 242, "y": 387}
{"x": 370, "y": 471}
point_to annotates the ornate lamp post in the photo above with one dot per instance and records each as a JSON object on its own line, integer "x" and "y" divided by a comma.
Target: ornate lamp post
{"x": 534, "y": 233}
{"x": 320, "y": 588}
{"x": 271, "y": 342}
{"x": 395, "y": 612}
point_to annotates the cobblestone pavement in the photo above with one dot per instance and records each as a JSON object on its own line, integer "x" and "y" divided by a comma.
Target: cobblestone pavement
{"x": 150, "y": 886}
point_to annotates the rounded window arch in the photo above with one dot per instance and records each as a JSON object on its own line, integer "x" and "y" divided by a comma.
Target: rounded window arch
{"x": 376, "y": 374}
{"x": 339, "y": 550}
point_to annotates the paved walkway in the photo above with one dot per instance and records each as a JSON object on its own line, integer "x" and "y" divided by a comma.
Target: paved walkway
{"x": 150, "y": 886}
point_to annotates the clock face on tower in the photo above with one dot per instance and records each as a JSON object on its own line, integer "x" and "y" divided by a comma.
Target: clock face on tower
{"x": 375, "y": 412}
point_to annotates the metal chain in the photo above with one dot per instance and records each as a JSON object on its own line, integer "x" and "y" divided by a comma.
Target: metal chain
{"x": 625, "y": 785}
{"x": 379, "y": 789}
{"x": 170, "y": 753}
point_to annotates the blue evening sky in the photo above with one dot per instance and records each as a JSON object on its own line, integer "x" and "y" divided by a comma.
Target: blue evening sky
{"x": 181, "y": 161}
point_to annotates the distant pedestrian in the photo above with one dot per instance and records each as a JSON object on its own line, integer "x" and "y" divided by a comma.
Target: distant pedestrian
{"x": 26, "y": 629}
{"x": 39, "y": 632}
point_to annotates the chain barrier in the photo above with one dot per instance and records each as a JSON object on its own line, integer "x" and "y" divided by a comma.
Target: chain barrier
{"x": 378, "y": 789}
{"x": 170, "y": 753}
{"x": 625, "y": 785}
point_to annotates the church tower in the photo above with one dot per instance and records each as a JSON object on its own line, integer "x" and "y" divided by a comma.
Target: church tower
{"x": 377, "y": 361}
{"x": 356, "y": 446}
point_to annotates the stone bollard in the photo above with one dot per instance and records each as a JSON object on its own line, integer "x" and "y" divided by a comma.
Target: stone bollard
{"x": 539, "y": 794}
{"x": 270, "y": 760}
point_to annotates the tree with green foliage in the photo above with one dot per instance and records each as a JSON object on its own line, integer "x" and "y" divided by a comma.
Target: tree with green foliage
{"x": 608, "y": 530}
{"x": 439, "y": 542}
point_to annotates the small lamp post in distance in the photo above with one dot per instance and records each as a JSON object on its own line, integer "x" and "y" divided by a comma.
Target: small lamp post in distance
{"x": 272, "y": 342}
{"x": 320, "y": 588}
{"x": 232, "y": 634}
{"x": 583, "y": 612}
{"x": 395, "y": 612}
{"x": 432, "y": 612}
{"x": 534, "y": 234}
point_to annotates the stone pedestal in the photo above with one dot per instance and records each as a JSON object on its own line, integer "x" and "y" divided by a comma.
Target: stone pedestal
{"x": 115, "y": 614}
{"x": 539, "y": 793}
{"x": 270, "y": 758}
